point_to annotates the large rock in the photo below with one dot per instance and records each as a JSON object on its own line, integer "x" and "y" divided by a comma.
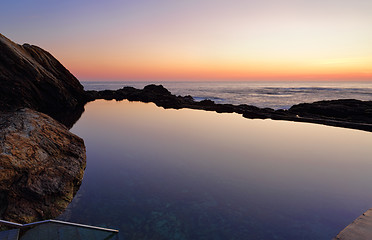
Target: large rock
{"x": 41, "y": 166}
{"x": 31, "y": 77}
{"x": 343, "y": 109}
{"x": 359, "y": 229}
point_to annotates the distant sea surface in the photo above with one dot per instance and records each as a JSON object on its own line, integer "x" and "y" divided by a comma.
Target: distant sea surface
{"x": 276, "y": 95}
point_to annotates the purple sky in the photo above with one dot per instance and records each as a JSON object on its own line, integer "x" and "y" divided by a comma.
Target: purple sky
{"x": 164, "y": 39}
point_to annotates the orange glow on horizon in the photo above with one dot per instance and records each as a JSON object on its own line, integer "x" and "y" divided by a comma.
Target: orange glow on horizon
{"x": 212, "y": 63}
{"x": 201, "y": 39}
{"x": 178, "y": 70}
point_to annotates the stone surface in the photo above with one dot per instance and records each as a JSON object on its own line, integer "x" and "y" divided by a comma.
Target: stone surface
{"x": 346, "y": 109}
{"x": 31, "y": 77}
{"x": 348, "y": 113}
{"x": 360, "y": 229}
{"x": 41, "y": 166}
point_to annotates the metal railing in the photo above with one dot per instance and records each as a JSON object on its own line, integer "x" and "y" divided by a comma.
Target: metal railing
{"x": 20, "y": 226}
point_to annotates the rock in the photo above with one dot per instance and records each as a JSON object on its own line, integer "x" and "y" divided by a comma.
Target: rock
{"x": 344, "y": 109}
{"x": 360, "y": 229}
{"x": 156, "y": 89}
{"x": 151, "y": 93}
{"x": 31, "y": 77}
{"x": 41, "y": 166}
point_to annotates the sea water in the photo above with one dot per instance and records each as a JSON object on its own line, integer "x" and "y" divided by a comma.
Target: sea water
{"x": 276, "y": 95}
{"x": 157, "y": 173}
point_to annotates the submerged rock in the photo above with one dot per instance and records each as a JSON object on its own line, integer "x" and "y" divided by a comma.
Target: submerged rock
{"x": 31, "y": 77}
{"x": 41, "y": 166}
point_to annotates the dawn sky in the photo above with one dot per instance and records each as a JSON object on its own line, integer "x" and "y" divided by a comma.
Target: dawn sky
{"x": 199, "y": 40}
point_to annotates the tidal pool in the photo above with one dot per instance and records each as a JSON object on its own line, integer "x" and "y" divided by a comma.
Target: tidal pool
{"x": 157, "y": 173}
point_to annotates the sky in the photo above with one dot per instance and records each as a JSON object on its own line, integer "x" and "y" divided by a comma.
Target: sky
{"x": 199, "y": 39}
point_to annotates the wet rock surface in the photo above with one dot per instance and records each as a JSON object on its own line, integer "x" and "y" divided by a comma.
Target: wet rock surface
{"x": 31, "y": 77}
{"x": 348, "y": 113}
{"x": 41, "y": 166}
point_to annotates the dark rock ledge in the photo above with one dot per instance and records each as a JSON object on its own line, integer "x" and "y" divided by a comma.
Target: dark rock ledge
{"x": 347, "y": 113}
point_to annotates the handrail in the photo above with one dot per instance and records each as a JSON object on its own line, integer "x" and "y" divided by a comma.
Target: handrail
{"x": 85, "y": 226}
{"x": 18, "y": 225}
{"x": 11, "y": 224}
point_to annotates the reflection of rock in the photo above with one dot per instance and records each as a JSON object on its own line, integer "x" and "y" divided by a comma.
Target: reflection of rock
{"x": 343, "y": 113}
{"x": 42, "y": 165}
{"x": 31, "y": 77}
{"x": 69, "y": 118}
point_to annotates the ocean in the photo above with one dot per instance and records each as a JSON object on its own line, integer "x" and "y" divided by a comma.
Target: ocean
{"x": 276, "y": 95}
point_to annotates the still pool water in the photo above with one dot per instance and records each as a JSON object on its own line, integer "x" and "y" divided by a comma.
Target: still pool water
{"x": 187, "y": 174}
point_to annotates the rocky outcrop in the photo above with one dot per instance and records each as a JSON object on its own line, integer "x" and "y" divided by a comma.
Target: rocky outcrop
{"x": 41, "y": 162}
{"x": 31, "y": 77}
{"x": 347, "y": 113}
{"x": 151, "y": 93}
{"x": 41, "y": 166}
{"x": 350, "y": 110}
{"x": 360, "y": 229}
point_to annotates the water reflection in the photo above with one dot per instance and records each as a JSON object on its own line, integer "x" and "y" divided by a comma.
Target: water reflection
{"x": 187, "y": 174}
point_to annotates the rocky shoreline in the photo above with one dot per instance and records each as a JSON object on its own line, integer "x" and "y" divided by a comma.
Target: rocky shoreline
{"x": 359, "y": 229}
{"x": 42, "y": 163}
{"x": 347, "y": 113}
